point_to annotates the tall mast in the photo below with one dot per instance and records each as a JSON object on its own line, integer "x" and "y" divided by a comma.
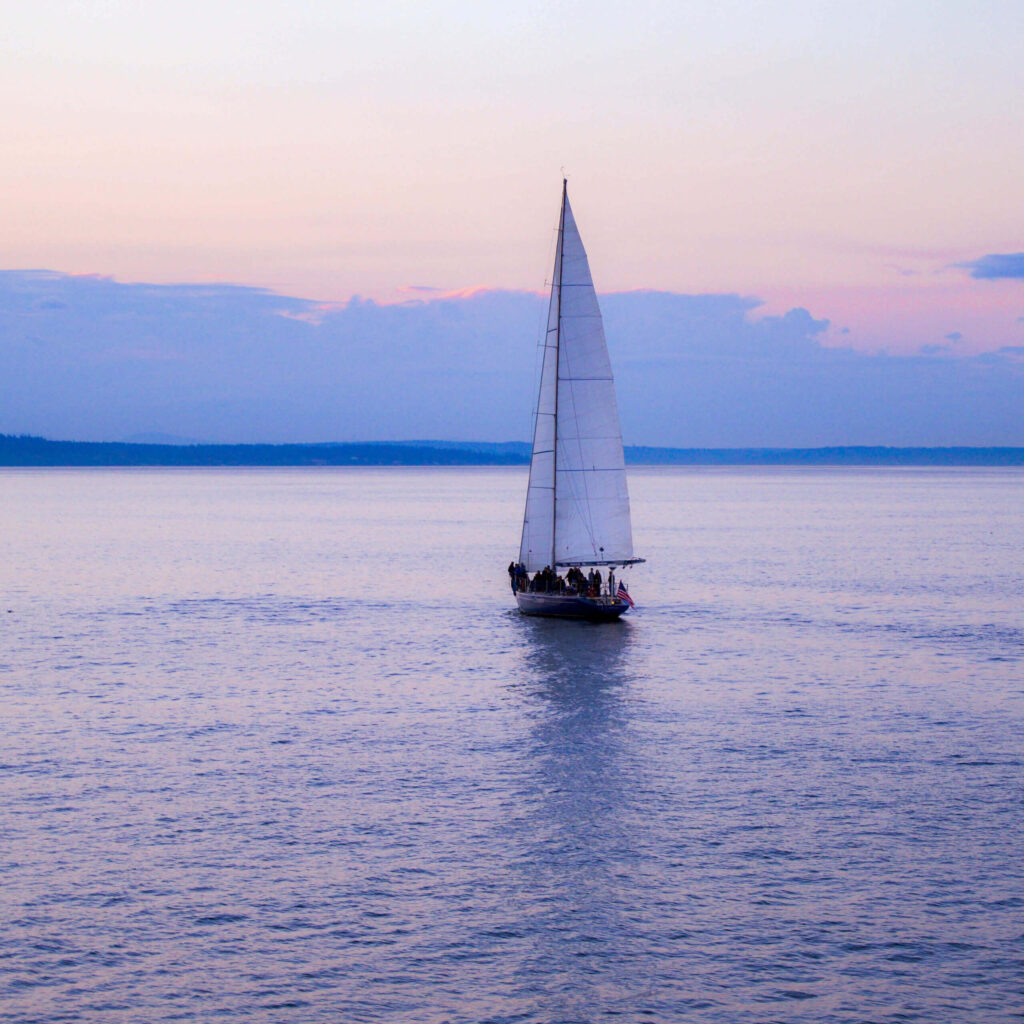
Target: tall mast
{"x": 558, "y": 344}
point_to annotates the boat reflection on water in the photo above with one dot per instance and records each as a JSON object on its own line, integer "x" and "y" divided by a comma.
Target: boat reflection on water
{"x": 581, "y": 826}
{"x": 577, "y": 671}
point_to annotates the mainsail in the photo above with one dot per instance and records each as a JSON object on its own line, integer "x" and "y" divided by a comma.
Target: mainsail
{"x": 577, "y": 503}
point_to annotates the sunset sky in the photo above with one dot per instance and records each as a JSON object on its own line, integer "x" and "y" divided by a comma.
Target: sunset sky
{"x": 848, "y": 158}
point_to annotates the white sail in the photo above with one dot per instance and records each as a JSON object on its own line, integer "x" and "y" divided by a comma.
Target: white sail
{"x": 577, "y": 505}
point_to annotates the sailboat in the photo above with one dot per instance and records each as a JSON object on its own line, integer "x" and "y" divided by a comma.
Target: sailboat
{"x": 577, "y": 500}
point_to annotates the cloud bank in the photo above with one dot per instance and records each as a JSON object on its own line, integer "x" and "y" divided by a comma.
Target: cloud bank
{"x": 89, "y": 358}
{"x": 997, "y": 266}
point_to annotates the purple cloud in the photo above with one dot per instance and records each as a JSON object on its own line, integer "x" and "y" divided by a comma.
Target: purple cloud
{"x": 85, "y": 358}
{"x": 996, "y": 266}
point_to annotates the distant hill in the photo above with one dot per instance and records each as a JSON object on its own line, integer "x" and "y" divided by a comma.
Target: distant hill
{"x": 38, "y": 451}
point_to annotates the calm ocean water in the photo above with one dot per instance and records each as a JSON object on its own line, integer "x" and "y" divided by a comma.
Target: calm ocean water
{"x": 276, "y": 747}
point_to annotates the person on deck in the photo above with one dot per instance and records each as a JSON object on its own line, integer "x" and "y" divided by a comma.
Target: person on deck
{"x": 521, "y": 576}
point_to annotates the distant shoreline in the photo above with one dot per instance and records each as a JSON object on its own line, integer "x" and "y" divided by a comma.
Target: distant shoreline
{"x": 36, "y": 451}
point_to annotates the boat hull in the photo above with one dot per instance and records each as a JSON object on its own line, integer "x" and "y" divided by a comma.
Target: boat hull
{"x": 566, "y": 606}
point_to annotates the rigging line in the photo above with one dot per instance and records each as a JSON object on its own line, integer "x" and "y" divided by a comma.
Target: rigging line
{"x": 541, "y": 356}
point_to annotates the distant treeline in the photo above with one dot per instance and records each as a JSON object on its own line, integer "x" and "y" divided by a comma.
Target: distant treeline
{"x": 38, "y": 451}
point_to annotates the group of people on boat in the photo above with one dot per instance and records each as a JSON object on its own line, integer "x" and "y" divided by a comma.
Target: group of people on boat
{"x": 547, "y": 581}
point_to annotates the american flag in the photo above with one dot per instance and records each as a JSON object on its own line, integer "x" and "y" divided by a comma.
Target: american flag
{"x": 623, "y": 595}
